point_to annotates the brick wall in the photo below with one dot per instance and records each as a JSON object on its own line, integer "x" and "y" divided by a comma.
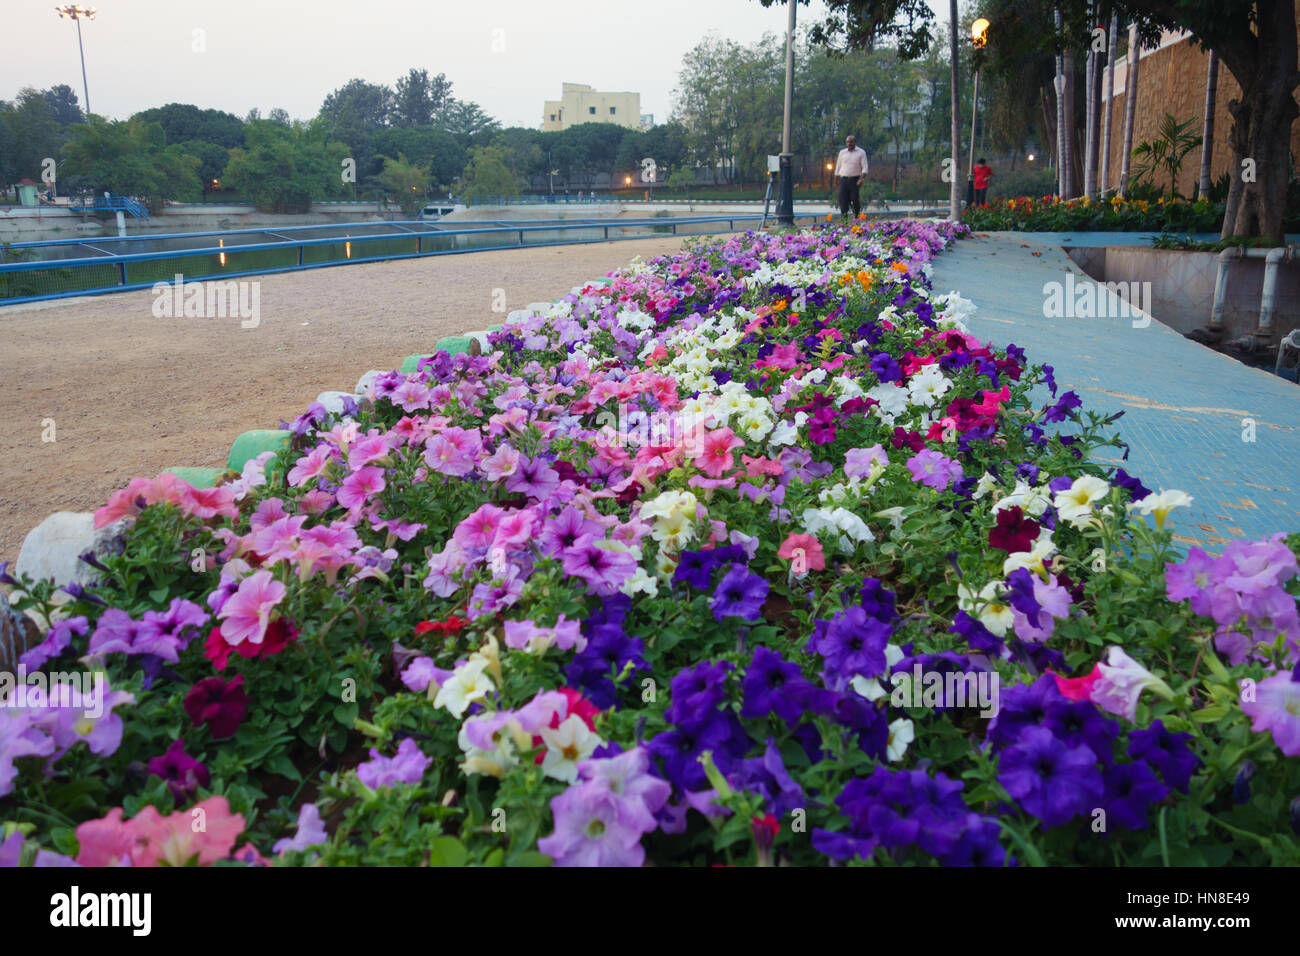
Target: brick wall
{"x": 1172, "y": 80}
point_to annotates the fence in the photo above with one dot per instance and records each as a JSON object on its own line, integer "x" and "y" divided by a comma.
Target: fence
{"x": 60, "y": 268}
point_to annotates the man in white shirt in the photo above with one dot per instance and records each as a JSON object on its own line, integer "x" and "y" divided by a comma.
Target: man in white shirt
{"x": 851, "y": 171}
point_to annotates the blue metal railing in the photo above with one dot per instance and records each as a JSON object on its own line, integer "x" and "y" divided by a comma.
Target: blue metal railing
{"x": 30, "y": 281}
{"x": 112, "y": 204}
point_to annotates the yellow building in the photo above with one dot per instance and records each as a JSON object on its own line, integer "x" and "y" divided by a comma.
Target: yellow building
{"x": 579, "y": 103}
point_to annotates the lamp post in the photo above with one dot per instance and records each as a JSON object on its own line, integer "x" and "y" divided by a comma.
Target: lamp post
{"x": 785, "y": 202}
{"x": 74, "y": 11}
{"x": 979, "y": 36}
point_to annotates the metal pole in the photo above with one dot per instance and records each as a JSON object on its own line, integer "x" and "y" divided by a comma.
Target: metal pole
{"x": 785, "y": 204}
{"x": 954, "y": 198}
{"x": 974, "y": 112}
{"x": 85, "y": 87}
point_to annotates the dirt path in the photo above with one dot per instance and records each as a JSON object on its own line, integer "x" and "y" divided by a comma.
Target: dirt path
{"x": 131, "y": 394}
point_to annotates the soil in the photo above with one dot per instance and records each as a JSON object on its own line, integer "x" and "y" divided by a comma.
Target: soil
{"x": 130, "y": 394}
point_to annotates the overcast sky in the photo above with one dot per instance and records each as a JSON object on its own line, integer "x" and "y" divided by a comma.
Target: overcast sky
{"x": 506, "y": 55}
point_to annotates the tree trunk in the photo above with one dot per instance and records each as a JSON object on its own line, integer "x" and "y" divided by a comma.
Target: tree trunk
{"x": 1262, "y": 118}
{"x": 954, "y": 198}
{"x": 1071, "y": 152}
{"x": 1062, "y": 137}
{"x": 1130, "y": 104}
{"x": 1090, "y": 136}
{"x": 1111, "y": 51}
{"x": 1207, "y": 130}
{"x": 1049, "y": 130}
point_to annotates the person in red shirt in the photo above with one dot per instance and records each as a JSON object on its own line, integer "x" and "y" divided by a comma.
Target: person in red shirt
{"x": 982, "y": 174}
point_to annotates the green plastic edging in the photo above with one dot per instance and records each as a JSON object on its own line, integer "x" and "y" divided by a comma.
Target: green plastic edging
{"x": 412, "y": 363}
{"x": 603, "y": 281}
{"x": 252, "y": 443}
{"x": 454, "y": 344}
{"x": 495, "y": 328}
{"x": 198, "y": 477}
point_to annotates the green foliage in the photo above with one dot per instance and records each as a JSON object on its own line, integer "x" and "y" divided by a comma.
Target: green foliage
{"x": 489, "y": 174}
{"x": 284, "y": 169}
{"x": 1050, "y": 214}
{"x": 405, "y": 182}
{"x": 1166, "y": 153}
{"x": 132, "y": 158}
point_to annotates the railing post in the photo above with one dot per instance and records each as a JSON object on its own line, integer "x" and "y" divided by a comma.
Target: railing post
{"x": 121, "y": 268}
{"x": 607, "y": 233}
{"x": 300, "y": 248}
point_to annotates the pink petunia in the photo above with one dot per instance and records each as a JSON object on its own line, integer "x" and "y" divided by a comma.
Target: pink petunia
{"x": 247, "y": 613}
{"x": 359, "y": 486}
{"x": 714, "y": 456}
{"x": 804, "y": 551}
{"x": 310, "y": 465}
{"x": 368, "y": 449}
{"x": 208, "y": 503}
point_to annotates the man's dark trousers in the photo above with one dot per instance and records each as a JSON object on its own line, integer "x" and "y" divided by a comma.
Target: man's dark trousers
{"x": 849, "y": 195}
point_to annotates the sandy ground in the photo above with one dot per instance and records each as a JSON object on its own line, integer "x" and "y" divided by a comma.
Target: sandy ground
{"x": 131, "y": 394}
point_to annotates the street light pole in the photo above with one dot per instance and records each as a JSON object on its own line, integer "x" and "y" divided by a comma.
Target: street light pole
{"x": 979, "y": 34}
{"x": 954, "y": 196}
{"x": 785, "y": 203}
{"x": 73, "y": 11}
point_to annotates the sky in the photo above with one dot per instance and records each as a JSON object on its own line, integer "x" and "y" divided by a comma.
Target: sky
{"x": 509, "y": 56}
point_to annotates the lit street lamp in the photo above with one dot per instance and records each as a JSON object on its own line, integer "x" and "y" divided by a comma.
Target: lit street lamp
{"x": 979, "y": 36}
{"x": 74, "y": 11}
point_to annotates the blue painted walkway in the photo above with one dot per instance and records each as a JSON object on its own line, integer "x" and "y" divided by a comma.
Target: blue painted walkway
{"x": 1185, "y": 405}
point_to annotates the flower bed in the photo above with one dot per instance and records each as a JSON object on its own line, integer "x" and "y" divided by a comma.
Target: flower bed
{"x": 754, "y": 555}
{"x": 1117, "y": 214}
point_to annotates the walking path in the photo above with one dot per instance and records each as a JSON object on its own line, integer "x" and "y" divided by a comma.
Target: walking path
{"x": 1189, "y": 411}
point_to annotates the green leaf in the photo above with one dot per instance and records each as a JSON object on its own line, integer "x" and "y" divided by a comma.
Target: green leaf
{"x": 448, "y": 851}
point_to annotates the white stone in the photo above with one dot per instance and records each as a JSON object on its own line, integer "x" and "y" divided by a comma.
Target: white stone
{"x": 333, "y": 401}
{"x": 537, "y": 308}
{"x": 52, "y": 550}
{"x": 519, "y": 316}
{"x": 363, "y": 383}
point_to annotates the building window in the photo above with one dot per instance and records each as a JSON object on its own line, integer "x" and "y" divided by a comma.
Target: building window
{"x": 552, "y": 117}
{"x": 611, "y": 111}
{"x": 591, "y": 110}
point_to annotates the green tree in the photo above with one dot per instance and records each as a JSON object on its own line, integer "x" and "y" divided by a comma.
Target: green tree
{"x": 405, "y": 182}
{"x": 421, "y": 99}
{"x": 64, "y": 108}
{"x": 489, "y": 175}
{"x": 443, "y": 153}
{"x": 34, "y": 133}
{"x": 283, "y": 169}
{"x": 184, "y": 122}
{"x": 132, "y": 158}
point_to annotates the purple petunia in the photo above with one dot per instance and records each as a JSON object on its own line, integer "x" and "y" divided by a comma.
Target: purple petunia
{"x": 1050, "y": 779}
{"x": 934, "y": 470}
{"x": 407, "y": 766}
{"x": 740, "y": 593}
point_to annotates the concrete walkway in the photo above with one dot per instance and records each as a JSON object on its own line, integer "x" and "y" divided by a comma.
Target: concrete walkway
{"x": 1189, "y": 410}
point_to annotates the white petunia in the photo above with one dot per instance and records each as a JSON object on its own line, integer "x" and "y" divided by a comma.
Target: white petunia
{"x": 1074, "y": 504}
{"x": 901, "y": 733}
{"x": 567, "y": 746}
{"x": 468, "y": 684}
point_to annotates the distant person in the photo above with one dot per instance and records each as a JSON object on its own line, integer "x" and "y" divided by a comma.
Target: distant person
{"x": 851, "y": 171}
{"x": 982, "y": 176}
